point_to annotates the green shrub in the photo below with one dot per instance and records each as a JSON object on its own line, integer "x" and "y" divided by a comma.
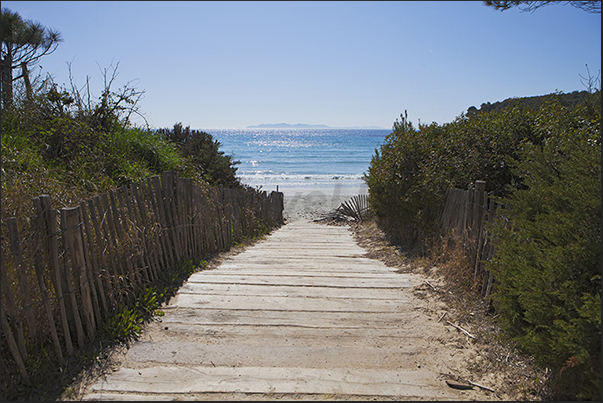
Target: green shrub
{"x": 396, "y": 179}
{"x": 58, "y": 144}
{"x": 545, "y": 167}
{"x": 548, "y": 260}
{"x": 408, "y": 177}
{"x": 203, "y": 153}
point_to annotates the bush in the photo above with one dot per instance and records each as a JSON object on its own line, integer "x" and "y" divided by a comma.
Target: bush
{"x": 58, "y": 144}
{"x": 545, "y": 167}
{"x": 548, "y": 261}
{"x": 396, "y": 179}
{"x": 408, "y": 177}
{"x": 203, "y": 153}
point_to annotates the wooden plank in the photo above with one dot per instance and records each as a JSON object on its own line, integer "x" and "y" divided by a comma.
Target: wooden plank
{"x": 272, "y": 355}
{"x": 111, "y": 236}
{"x": 398, "y": 383}
{"x": 478, "y": 229}
{"x": 88, "y": 264}
{"x": 291, "y": 291}
{"x": 197, "y": 239}
{"x": 156, "y": 243}
{"x": 301, "y": 281}
{"x": 137, "y": 229}
{"x": 180, "y": 216}
{"x": 193, "y": 218}
{"x": 292, "y": 303}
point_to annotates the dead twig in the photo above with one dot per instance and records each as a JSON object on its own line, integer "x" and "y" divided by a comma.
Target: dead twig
{"x": 429, "y": 284}
{"x": 481, "y": 386}
{"x": 442, "y": 317}
{"x": 461, "y": 329}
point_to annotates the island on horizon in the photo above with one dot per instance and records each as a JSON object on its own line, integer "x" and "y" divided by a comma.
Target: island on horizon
{"x": 307, "y": 126}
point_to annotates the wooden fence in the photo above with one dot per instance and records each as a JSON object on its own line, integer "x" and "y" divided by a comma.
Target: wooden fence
{"x": 68, "y": 269}
{"x": 468, "y": 214}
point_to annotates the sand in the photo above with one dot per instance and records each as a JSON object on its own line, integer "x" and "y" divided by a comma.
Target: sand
{"x": 312, "y": 203}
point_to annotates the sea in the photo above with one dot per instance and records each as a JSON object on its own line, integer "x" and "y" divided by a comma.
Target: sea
{"x": 285, "y": 159}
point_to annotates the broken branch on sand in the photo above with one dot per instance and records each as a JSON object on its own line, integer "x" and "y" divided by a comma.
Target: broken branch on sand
{"x": 481, "y": 386}
{"x": 461, "y": 329}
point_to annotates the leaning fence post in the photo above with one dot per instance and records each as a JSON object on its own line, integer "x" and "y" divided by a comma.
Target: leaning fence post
{"x": 480, "y": 190}
{"x": 38, "y": 266}
{"x": 12, "y": 309}
{"x": 68, "y": 277}
{"x": 75, "y": 248}
{"x": 94, "y": 274}
{"x": 48, "y": 215}
{"x": 12, "y": 345}
{"x": 15, "y": 246}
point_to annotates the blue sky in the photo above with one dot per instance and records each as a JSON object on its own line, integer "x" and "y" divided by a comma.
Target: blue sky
{"x": 234, "y": 64}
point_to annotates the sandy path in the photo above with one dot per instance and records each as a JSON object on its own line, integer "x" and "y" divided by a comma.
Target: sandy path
{"x": 313, "y": 203}
{"x": 302, "y": 314}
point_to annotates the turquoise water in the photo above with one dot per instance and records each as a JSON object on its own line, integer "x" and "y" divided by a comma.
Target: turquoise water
{"x": 300, "y": 158}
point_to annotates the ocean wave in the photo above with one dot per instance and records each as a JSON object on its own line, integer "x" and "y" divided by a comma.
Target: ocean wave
{"x": 263, "y": 178}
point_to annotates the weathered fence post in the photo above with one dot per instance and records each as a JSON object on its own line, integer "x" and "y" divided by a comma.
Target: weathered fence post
{"x": 38, "y": 266}
{"x": 104, "y": 265}
{"x": 70, "y": 229}
{"x": 49, "y": 222}
{"x": 90, "y": 256}
{"x": 469, "y": 212}
{"x": 13, "y": 314}
{"x": 15, "y": 246}
{"x": 479, "y": 209}
{"x": 85, "y": 263}
{"x": 12, "y": 345}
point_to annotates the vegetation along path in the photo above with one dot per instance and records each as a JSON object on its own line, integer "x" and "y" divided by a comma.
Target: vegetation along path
{"x": 302, "y": 314}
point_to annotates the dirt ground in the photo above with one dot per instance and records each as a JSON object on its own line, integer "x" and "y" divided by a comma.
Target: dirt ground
{"x": 490, "y": 360}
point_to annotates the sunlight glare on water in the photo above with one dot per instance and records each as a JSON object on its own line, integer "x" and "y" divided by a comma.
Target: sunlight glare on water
{"x": 300, "y": 158}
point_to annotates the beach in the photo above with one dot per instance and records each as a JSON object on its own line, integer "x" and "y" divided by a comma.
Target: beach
{"x": 315, "y": 169}
{"x": 311, "y": 203}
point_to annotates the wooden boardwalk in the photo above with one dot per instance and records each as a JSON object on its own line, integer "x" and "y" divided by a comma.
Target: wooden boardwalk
{"x": 300, "y": 315}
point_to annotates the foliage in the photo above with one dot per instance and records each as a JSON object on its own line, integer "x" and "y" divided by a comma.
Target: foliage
{"x": 548, "y": 262}
{"x": 593, "y": 7}
{"x": 62, "y": 144}
{"x": 545, "y": 167}
{"x": 570, "y": 100}
{"x": 202, "y": 152}
{"x": 23, "y": 42}
{"x": 409, "y": 175}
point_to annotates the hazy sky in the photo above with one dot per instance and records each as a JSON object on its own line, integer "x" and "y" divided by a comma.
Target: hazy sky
{"x": 233, "y": 64}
